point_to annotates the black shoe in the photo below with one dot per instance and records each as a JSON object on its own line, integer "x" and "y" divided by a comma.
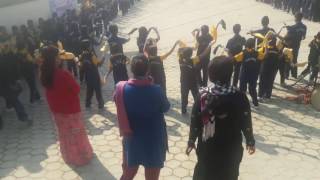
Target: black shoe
{"x": 255, "y": 103}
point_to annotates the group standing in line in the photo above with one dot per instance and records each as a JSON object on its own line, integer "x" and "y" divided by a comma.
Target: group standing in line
{"x": 221, "y": 112}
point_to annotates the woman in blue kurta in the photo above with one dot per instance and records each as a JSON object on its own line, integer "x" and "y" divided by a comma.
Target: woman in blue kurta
{"x": 145, "y": 143}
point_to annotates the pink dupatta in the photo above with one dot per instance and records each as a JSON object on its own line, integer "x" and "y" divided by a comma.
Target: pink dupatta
{"x": 123, "y": 121}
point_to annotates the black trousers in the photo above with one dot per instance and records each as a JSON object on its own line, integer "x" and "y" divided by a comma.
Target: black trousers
{"x": 30, "y": 77}
{"x": 236, "y": 74}
{"x": 294, "y": 70}
{"x": 224, "y": 165}
{"x": 13, "y": 101}
{"x": 283, "y": 70}
{"x": 267, "y": 77}
{"x": 203, "y": 72}
{"x": 313, "y": 69}
{"x": 185, "y": 89}
{"x": 72, "y": 67}
{"x": 82, "y": 74}
{"x": 251, "y": 81}
{"x": 163, "y": 84}
{"x": 91, "y": 90}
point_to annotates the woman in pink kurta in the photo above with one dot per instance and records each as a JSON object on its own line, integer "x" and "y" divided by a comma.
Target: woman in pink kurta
{"x": 62, "y": 93}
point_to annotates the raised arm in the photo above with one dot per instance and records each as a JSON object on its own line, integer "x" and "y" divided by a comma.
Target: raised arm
{"x": 195, "y": 33}
{"x": 165, "y": 56}
{"x": 156, "y": 31}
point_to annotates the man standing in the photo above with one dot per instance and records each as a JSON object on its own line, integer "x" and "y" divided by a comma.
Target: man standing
{"x": 298, "y": 33}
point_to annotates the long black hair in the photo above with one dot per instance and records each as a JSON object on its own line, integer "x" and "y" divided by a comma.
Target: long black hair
{"x": 49, "y": 55}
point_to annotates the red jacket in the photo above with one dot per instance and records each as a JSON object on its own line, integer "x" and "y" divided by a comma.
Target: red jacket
{"x": 63, "y": 96}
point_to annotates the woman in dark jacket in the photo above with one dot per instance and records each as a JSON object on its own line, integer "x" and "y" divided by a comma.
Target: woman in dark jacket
{"x": 219, "y": 117}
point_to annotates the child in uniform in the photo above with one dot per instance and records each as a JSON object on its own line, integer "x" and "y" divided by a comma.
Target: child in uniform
{"x": 250, "y": 68}
{"x": 313, "y": 59}
{"x": 235, "y": 46}
{"x": 156, "y": 68}
{"x": 143, "y": 35}
{"x": 92, "y": 76}
{"x": 269, "y": 70}
{"x": 118, "y": 65}
{"x": 203, "y": 41}
{"x": 188, "y": 74}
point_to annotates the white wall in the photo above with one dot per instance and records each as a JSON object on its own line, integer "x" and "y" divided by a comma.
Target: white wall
{"x": 19, "y": 14}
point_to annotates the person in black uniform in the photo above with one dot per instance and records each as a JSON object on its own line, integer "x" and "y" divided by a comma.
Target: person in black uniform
{"x": 156, "y": 68}
{"x": 188, "y": 74}
{"x": 92, "y": 75}
{"x": 269, "y": 70}
{"x": 203, "y": 41}
{"x": 10, "y": 88}
{"x": 73, "y": 39}
{"x": 265, "y": 27}
{"x": 265, "y": 21}
{"x": 143, "y": 35}
{"x": 313, "y": 59}
{"x": 84, "y": 36}
{"x": 315, "y": 10}
{"x": 113, "y": 38}
{"x": 142, "y": 38}
{"x": 26, "y": 45}
{"x": 118, "y": 65}
{"x": 188, "y": 80}
{"x": 235, "y": 46}
{"x": 28, "y": 70}
{"x": 219, "y": 118}
{"x": 298, "y": 33}
{"x": 284, "y": 59}
{"x": 250, "y": 68}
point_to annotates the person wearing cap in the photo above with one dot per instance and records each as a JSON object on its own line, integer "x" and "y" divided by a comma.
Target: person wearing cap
{"x": 235, "y": 46}
{"x": 219, "y": 118}
{"x": 298, "y": 33}
{"x": 140, "y": 110}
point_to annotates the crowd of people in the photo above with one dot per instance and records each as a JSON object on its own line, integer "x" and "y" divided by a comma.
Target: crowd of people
{"x": 309, "y": 8}
{"x": 19, "y": 48}
{"x": 62, "y": 50}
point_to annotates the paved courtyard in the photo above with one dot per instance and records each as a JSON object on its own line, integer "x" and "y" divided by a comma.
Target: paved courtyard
{"x": 287, "y": 134}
